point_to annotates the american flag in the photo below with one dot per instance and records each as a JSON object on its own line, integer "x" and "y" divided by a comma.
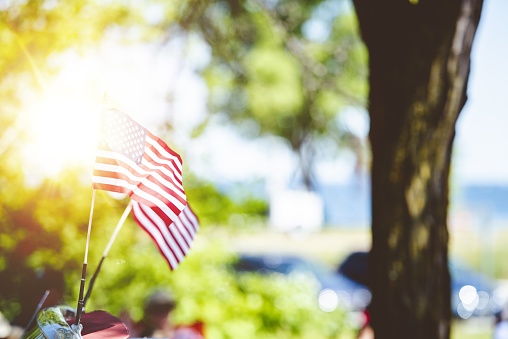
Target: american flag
{"x": 173, "y": 239}
{"x": 133, "y": 161}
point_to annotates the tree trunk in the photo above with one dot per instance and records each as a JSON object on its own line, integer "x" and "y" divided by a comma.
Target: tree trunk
{"x": 419, "y": 68}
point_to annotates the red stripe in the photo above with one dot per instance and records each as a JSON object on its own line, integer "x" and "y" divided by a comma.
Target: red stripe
{"x": 140, "y": 186}
{"x": 172, "y": 227}
{"x": 175, "y": 183}
{"x": 191, "y": 217}
{"x": 189, "y": 224}
{"x": 116, "y": 162}
{"x": 171, "y": 230}
{"x": 166, "y": 148}
{"x": 136, "y": 172}
{"x": 183, "y": 228}
{"x": 158, "y": 161}
{"x": 174, "y": 231}
{"x": 111, "y": 188}
{"x": 164, "y": 200}
{"x": 145, "y": 227}
{"x": 163, "y": 216}
{"x": 184, "y": 217}
{"x": 174, "y": 180}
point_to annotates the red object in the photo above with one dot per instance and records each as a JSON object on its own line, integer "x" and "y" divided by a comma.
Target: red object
{"x": 366, "y": 319}
{"x": 101, "y": 324}
{"x": 174, "y": 241}
{"x": 133, "y": 161}
{"x": 192, "y": 331}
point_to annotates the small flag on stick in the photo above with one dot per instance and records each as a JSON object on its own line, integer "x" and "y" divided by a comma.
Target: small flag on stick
{"x": 173, "y": 239}
{"x": 133, "y": 161}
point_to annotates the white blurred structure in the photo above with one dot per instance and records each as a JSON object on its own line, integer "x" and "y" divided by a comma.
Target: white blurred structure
{"x": 296, "y": 210}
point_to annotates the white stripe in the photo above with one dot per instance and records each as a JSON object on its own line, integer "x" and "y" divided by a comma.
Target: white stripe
{"x": 142, "y": 194}
{"x": 142, "y": 172}
{"x": 192, "y": 218}
{"x": 157, "y": 202}
{"x": 186, "y": 223}
{"x": 163, "y": 229}
{"x": 165, "y": 153}
{"x": 152, "y": 165}
{"x": 178, "y": 237}
{"x": 182, "y": 230}
{"x": 152, "y": 229}
{"x": 175, "y": 179}
{"x": 134, "y": 187}
{"x": 173, "y": 186}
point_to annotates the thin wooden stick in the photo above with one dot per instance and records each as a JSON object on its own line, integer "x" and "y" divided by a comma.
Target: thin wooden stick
{"x": 79, "y": 310}
{"x": 106, "y": 250}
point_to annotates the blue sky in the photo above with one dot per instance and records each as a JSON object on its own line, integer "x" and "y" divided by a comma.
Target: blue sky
{"x": 482, "y": 135}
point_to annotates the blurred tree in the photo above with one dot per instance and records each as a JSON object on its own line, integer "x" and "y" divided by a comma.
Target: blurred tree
{"x": 39, "y": 223}
{"x": 282, "y": 68}
{"x": 207, "y": 290}
{"x": 43, "y": 227}
{"x": 419, "y": 62}
{"x": 33, "y": 31}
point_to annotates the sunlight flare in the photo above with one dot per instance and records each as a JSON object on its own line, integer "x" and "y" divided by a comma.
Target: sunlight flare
{"x": 61, "y": 132}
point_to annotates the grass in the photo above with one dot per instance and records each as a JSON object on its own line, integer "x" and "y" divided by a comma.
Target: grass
{"x": 472, "y": 329}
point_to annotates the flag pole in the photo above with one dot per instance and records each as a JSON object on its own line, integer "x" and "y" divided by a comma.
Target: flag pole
{"x": 37, "y": 309}
{"x": 80, "y": 306}
{"x": 106, "y": 250}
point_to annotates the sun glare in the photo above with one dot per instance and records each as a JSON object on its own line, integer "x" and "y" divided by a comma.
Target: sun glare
{"x": 61, "y": 131}
{"x": 61, "y": 122}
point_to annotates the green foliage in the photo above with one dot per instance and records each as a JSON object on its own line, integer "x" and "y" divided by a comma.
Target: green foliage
{"x": 256, "y": 74}
{"x": 273, "y": 90}
{"x": 268, "y": 67}
{"x": 46, "y": 226}
{"x": 216, "y": 208}
{"x": 230, "y": 305}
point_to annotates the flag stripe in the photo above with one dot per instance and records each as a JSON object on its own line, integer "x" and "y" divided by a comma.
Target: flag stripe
{"x": 158, "y": 196}
{"x": 161, "y": 153}
{"x": 164, "y": 231}
{"x": 153, "y": 156}
{"x": 132, "y": 160}
{"x": 193, "y": 221}
{"x": 178, "y": 226}
{"x": 165, "y": 151}
{"x": 151, "y": 228}
{"x": 116, "y": 163}
{"x": 174, "y": 241}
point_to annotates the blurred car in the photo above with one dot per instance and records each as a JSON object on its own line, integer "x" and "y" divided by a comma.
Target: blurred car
{"x": 334, "y": 290}
{"x": 473, "y": 293}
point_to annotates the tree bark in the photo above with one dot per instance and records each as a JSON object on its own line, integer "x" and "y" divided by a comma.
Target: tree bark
{"x": 419, "y": 62}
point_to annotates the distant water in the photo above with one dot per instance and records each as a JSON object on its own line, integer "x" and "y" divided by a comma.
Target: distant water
{"x": 488, "y": 200}
{"x": 346, "y": 205}
{"x": 350, "y": 205}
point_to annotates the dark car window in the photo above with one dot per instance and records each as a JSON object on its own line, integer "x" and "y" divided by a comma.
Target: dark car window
{"x": 355, "y": 267}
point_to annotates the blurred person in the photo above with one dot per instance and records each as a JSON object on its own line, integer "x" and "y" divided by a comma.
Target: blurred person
{"x": 126, "y": 319}
{"x": 156, "y": 322}
{"x": 156, "y": 316}
{"x": 366, "y": 331}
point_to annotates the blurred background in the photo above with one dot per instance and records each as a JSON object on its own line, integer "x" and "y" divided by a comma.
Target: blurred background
{"x": 265, "y": 102}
